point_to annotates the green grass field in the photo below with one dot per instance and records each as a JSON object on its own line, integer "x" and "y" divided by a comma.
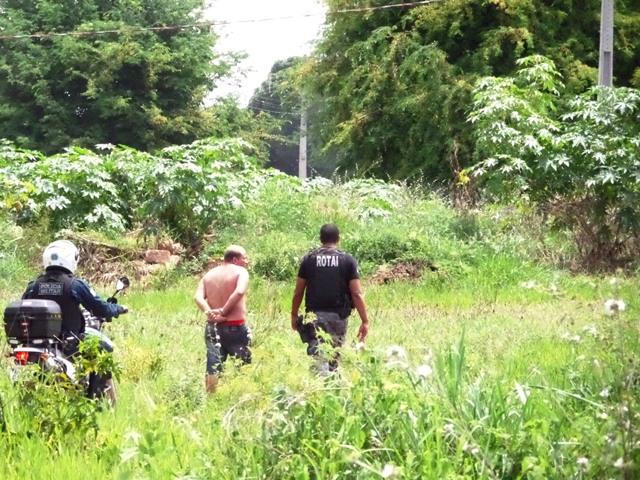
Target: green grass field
{"x": 494, "y": 364}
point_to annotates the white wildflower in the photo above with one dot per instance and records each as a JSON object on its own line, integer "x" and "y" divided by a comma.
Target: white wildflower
{"x": 423, "y": 371}
{"x": 413, "y": 418}
{"x": 613, "y": 281}
{"x": 236, "y": 202}
{"x": 521, "y": 393}
{"x": 583, "y": 462}
{"x": 612, "y": 306}
{"x": 528, "y": 284}
{"x": 359, "y": 346}
{"x": 396, "y": 353}
{"x": 475, "y": 451}
{"x": 604, "y": 393}
{"x": 619, "y": 463}
{"x": 448, "y": 429}
{"x": 575, "y": 338}
{"x": 603, "y": 415}
{"x": 134, "y": 436}
{"x": 554, "y": 289}
{"x": 389, "y": 471}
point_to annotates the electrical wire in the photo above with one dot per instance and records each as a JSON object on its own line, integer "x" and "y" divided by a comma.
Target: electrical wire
{"x": 279, "y": 112}
{"x": 209, "y": 24}
{"x": 266, "y": 102}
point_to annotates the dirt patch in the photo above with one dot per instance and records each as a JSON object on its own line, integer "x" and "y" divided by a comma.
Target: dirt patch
{"x": 105, "y": 263}
{"x": 401, "y": 271}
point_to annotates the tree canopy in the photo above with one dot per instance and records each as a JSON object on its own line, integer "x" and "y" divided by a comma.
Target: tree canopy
{"x": 272, "y": 98}
{"x": 395, "y": 84}
{"x": 135, "y": 86}
{"x": 579, "y": 161}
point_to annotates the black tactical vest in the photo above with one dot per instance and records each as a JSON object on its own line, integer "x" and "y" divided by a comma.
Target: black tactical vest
{"x": 56, "y": 285}
{"x": 327, "y": 283}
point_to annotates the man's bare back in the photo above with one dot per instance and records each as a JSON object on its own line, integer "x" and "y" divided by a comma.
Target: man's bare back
{"x": 220, "y": 283}
{"x": 221, "y": 294}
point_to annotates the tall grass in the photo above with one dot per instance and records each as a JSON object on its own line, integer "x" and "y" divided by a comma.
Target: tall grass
{"x": 494, "y": 364}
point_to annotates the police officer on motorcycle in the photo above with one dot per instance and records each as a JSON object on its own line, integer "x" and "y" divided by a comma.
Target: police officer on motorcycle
{"x": 58, "y": 283}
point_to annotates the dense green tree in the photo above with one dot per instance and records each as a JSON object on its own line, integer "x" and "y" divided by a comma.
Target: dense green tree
{"x": 387, "y": 96}
{"x": 395, "y": 84}
{"x": 227, "y": 119}
{"x": 281, "y": 97}
{"x": 142, "y": 88}
{"x": 276, "y": 99}
{"x": 577, "y": 161}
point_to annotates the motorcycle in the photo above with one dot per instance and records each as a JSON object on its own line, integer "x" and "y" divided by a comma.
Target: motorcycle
{"x": 93, "y": 324}
{"x": 33, "y": 330}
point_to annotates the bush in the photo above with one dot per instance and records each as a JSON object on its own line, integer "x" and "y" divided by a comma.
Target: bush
{"x": 379, "y": 246}
{"x": 183, "y": 190}
{"x": 575, "y": 159}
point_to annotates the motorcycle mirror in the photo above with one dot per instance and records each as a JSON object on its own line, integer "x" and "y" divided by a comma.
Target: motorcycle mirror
{"x": 123, "y": 282}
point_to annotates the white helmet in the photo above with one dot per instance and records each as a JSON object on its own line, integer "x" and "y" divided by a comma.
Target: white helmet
{"x": 61, "y": 253}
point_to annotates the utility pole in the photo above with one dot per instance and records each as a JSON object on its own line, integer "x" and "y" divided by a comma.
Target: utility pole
{"x": 302, "y": 157}
{"x": 605, "y": 66}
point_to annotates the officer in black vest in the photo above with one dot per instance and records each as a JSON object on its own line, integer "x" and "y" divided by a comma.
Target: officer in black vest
{"x": 329, "y": 281}
{"x": 58, "y": 283}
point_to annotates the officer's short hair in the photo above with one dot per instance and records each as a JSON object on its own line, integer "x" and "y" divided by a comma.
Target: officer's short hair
{"x": 329, "y": 233}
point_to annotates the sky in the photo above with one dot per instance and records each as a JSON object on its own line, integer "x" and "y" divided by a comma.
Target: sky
{"x": 266, "y": 41}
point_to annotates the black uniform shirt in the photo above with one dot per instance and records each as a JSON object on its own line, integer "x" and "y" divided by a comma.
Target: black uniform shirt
{"x": 69, "y": 292}
{"x": 328, "y": 272}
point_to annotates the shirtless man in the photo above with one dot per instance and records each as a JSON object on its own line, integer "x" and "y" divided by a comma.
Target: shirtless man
{"x": 221, "y": 295}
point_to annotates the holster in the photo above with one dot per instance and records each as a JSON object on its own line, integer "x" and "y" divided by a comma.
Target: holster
{"x": 306, "y": 330}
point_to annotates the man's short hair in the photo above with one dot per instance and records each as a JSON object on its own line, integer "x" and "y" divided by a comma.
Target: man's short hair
{"x": 329, "y": 233}
{"x": 233, "y": 251}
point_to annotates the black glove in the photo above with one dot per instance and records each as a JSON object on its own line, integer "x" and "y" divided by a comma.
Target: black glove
{"x": 306, "y": 330}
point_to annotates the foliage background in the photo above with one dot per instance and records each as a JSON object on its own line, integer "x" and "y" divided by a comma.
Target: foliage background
{"x": 140, "y": 88}
{"x": 494, "y": 361}
{"x": 493, "y": 364}
{"x": 391, "y": 88}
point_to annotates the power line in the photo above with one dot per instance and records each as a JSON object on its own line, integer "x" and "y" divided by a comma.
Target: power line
{"x": 266, "y": 101}
{"x": 383, "y": 7}
{"x": 279, "y": 112}
{"x": 209, "y": 24}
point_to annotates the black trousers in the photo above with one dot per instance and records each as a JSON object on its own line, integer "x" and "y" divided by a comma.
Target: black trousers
{"x": 332, "y": 326}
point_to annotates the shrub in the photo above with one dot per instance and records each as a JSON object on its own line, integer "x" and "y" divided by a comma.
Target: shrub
{"x": 580, "y": 166}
